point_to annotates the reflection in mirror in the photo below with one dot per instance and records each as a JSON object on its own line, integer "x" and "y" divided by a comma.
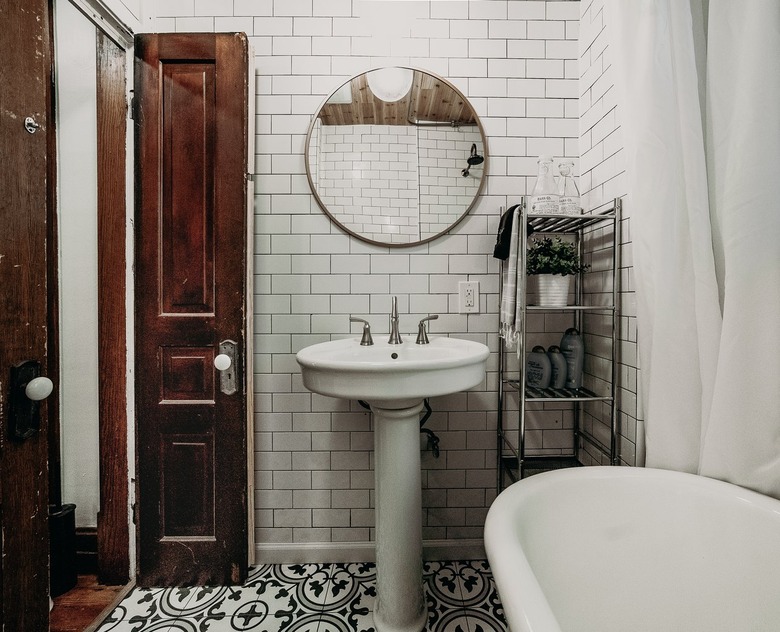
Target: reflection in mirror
{"x": 396, "y": 170}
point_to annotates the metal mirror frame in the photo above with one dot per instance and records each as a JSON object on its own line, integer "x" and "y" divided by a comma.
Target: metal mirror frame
{"x": 332, "y": 217}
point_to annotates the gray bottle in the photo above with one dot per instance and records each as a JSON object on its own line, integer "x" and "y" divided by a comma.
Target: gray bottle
{"x": 558, "y": 366}
{"x": 573, "y": 350}
{"x": 537, "y": 368}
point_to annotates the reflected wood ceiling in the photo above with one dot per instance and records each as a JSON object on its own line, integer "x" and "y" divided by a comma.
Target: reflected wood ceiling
{"x": 429, "y": 100}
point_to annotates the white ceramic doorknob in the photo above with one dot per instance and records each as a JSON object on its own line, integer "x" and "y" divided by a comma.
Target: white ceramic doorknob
{"x": 39, "y": 388}
{"x": 222, "y": 362}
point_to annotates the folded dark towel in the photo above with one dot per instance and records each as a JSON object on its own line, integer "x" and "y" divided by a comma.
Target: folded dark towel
{"x": 501, "y": 250}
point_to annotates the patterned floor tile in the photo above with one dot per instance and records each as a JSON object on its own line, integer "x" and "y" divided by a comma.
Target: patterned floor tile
{"x": 443, "y": 582}
{"x": 116, "y": 624}
{"x": 453, "y": 620}
{"x": 480, "y": 594}
{"x": 445, "y": 605}
{"x": 474, "y": 582}
{"x": 461, "y": 597}
{"x": 351, "y": 585}
{"x": 278, "y": 598}
{"x": 350, "y": 598}
{"x": 145, "y": 607}
{"x": 163, "y": 625}
{"x": 303, "y": 584}
{"x": 239, "y": 622}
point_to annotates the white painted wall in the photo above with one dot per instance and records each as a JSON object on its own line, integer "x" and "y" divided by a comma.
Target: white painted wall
{"x": 77, "y": 207}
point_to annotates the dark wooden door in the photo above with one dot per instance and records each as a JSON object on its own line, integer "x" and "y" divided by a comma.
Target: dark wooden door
{"x": 191, "y": 222}
{"x": 25, "y": 75}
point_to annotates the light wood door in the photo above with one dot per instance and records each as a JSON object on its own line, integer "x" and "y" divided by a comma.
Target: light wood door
{"x": 191, "y": 222}
{"x": 25, "y": 75}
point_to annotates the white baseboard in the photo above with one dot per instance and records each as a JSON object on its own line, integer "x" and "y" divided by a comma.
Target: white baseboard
{"x": 325, "y": 552}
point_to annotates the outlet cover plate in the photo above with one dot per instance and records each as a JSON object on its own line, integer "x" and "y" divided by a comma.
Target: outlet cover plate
{"x": 468, "y": 297}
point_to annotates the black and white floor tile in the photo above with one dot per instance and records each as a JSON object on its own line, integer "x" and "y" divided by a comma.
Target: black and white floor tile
{"x": 311, "y": 598}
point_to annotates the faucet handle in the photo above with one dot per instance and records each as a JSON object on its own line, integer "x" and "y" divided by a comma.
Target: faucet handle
{"x": 422, "y": 336}
{"x": 366, "y": 339}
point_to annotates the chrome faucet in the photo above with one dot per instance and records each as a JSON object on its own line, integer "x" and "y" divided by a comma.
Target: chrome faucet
{"x": 395, "y": 337}
{"x": 422, "y": 336}
{"x": 366, "y": 340}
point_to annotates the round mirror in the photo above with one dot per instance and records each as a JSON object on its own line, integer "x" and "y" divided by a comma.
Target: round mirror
{"x": 396, "y": 156}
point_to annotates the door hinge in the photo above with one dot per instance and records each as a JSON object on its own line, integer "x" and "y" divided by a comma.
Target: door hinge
{"x": 131, "y": 108}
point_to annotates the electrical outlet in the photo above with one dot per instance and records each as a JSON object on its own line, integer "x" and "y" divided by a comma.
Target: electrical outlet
{"x": 468, "y": 294}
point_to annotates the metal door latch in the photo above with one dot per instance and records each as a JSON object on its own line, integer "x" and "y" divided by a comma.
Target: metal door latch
{"x": 228, "y": 366}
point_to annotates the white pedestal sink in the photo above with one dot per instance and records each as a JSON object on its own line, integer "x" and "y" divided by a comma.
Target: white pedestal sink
{"x": 394, "y": 380}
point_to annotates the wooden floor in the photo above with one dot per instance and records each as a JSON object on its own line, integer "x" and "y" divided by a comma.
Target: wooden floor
{"x": 75, "y": 610}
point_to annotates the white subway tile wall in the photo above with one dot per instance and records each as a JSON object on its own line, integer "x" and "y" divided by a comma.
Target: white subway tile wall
{"x": 517, "y": 61}
{"x": 601, "y": 180}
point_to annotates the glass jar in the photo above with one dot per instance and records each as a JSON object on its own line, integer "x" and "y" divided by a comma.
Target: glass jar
{"x": 568, "y": 191}
{"x": 545, "y": 197}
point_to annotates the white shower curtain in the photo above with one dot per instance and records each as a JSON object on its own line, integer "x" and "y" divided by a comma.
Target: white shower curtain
{"x": 678, "y": 318}
{"x": 742, "y": 441}
{"x": 704, "y": 222}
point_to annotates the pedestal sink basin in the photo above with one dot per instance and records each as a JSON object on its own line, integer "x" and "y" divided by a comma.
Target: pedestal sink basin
{"x": 394, "y": 380}
{"x": 344, "y": 368}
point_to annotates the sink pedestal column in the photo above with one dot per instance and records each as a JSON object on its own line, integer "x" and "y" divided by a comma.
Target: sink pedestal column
{"x": 400, "y": 601}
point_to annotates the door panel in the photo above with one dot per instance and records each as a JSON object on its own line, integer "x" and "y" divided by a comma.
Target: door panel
{"x": 25, "y": 75}
{"x": 191, "y": 225}
{"x": 187, "y": 375}
{"x": 188, "y": 162}
{"x": 196, "y": 516}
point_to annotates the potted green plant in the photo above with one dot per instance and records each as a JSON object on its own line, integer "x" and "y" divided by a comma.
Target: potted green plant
{"x": 553, "y": 261}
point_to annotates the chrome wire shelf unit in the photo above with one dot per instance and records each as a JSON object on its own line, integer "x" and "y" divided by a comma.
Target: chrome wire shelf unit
{"x": 513, "y": 460}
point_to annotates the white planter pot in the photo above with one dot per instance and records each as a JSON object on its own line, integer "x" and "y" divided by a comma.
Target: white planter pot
{"x": 553, "y": 290}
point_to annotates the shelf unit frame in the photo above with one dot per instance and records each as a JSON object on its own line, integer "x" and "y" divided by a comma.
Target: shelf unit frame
{"x": 512, "y": 457}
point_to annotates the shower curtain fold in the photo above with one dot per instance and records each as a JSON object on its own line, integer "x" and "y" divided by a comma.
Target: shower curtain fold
{"x": 678, "y": 315}
{"x": 706, "y": 229}
{"x": 742, "y": 440}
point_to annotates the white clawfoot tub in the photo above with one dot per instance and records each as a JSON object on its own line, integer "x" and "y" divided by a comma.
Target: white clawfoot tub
{"x": 602, "y": 549}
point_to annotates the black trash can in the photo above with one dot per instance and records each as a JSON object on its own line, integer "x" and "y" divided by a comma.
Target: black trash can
{"x": 62, "y": 548}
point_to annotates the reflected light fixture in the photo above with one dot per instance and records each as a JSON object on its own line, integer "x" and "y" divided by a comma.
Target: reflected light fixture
{"x": 390, "y": 84}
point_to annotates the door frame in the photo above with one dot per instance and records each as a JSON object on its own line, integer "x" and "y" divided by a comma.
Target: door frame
{"x": 113, "y": 528}
{"x": 114, "y": 202}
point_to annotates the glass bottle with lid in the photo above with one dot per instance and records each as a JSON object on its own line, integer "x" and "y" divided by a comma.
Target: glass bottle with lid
{"x": 567, "y": 188}
{"x": 545, "y": 197}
